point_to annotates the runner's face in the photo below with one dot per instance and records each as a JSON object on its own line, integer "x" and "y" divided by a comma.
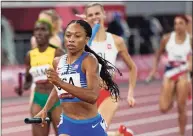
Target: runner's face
{"x": 95, "y": 15}
{"x": 41, "y": 33}
{"x": 75, "y": 38}
{"x": 180, "y": 25}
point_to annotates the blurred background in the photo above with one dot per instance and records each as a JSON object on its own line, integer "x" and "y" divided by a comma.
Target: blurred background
{"x": 141, "y": 24}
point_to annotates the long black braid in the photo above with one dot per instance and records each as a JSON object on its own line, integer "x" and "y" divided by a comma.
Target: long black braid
{"x": 107, "y": 68}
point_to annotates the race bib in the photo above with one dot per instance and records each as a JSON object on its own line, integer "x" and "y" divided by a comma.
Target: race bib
{"x": 73, "y": 79}
{"x": 176, "y": 57}
{"x": 39, "y": 72}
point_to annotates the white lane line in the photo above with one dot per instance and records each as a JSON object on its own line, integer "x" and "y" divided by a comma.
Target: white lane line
{"x": 164, "y": 131}
{"x": 148, "y": 120}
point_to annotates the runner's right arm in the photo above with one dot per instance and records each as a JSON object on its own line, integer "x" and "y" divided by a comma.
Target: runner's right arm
{"x": 53, "y": 97}
{"x": 158, "y": 54}
{"x": 28, "y": 76}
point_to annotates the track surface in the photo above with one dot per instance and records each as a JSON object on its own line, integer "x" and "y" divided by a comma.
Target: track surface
{"x": 144, "y": 119}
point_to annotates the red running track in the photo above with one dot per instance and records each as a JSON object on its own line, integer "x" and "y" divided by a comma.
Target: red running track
{"x": 144, "y": 119}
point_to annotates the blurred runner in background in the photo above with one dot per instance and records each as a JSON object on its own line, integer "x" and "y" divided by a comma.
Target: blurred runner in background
{"x": 178, "y": 45}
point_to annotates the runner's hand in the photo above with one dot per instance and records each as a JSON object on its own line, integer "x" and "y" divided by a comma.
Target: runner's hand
{"x": 27, "y": 85}
{"x": 42, "y": 114}
{"x": 150, "y": 77}
{"x": 18, "y": 91}
{"x": 131, "y": 99}
{"x": 53, "y": 77}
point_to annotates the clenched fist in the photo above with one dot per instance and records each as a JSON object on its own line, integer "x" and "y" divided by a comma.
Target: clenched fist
{"x": 53, "y": 77}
